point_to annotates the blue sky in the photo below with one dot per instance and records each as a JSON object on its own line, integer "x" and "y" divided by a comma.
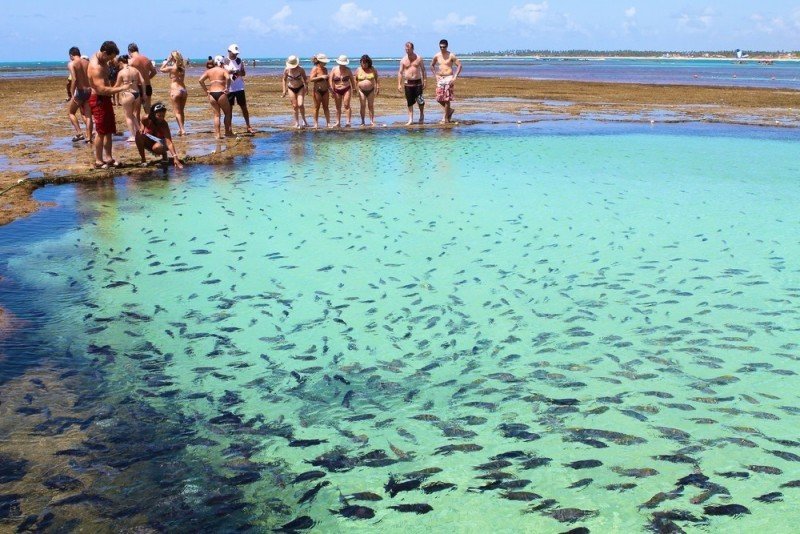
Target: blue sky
{"x": 45, "y": 29}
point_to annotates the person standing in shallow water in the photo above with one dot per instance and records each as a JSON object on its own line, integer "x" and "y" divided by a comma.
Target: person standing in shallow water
{"x": 235, "y": 67}
{"x": 100, "y": 103}
{"x": 295, "y": 80}
{"x": 175, "y": 66}
{"x": 78, "y": 68}
{"x": 411, "y": 80}
{"x": 321, "y": 93}
{"x": 445, "y": 77}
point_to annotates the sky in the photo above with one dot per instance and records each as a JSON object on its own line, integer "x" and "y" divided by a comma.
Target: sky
{"x": 45, "y": 29}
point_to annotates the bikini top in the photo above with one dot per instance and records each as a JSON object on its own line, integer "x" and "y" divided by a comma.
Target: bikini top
{"x": 361, "y": 76}
{"x": 294, "y": 77}
{"x": 339, "y": 79}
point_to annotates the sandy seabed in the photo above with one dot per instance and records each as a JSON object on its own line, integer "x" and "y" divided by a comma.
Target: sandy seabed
{"x": 35, "y": 133}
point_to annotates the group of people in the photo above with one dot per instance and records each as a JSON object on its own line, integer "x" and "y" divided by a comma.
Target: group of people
{"x": 94, "y": 81}
{"x": 342, "y": 83}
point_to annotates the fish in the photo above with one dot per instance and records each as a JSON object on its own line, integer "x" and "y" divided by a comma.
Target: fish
{"x": 463, "y": 447}
{"x": 417, "y": 508}
{"x": 393, "y": 487}
{"x": 306, "y": 442}
{"x": 434, "y": 487}
{"x": 309, "y": 495}
{"x": 364, "y": 496}
{"x": 303, "y": 522}
{"x": 354, "y": 511}
{"x": 726, "y": 509}
{"x": 584, "y": 464}
{"x": 520, "y": 496}
{"x": 308, "y": 475}
{"x": 775, "y": 496}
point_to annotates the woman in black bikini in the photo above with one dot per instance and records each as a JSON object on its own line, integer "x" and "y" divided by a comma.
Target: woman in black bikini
{"x": 368, "y": 87}
{"x": 130, "y": 99}
{"x": 295, "y": 80}
{"x": 219, "y": 83}
{"x": 342, "y": 82}
{"x": 319, "y": 77}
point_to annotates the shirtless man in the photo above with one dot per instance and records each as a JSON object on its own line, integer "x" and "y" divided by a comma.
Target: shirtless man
{"x": 78, "y": 68}
{"x": 411, "y": 79}
{"x": 145, "y": 66}
{"x": 445, "y": 78}
{"x": 100, "y": 103}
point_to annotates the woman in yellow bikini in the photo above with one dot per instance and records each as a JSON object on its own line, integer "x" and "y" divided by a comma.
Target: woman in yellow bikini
{"x": 342, "y": 82}
{"x": 368, "y": 87}
{"x": 175, "y": 65}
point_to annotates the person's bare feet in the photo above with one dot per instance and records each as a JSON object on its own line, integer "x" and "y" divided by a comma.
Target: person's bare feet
{"x": 410, "y": 122}
{"x": 250, "y": 130}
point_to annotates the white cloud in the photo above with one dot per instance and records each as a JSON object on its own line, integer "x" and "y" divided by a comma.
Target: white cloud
{"x": 696, "y": 21}
{"x": 629, "y": 24}
{"x": 352, "y": 17}
{"x": 630, "y": 12}
{"x": 398, "y": 21}
{"x": 454, "y": 20}
{"x": 529, "y": 13}
{"x": 276, "y": 24}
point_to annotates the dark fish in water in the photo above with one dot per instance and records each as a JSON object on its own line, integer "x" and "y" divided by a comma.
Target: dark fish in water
{"x": 463, "y": 447}
{"x": 244, "y": 478}
{"x": 623, "y": 486}
{"x": 490, "y": 466}
{"x": 635, "y": 472}
{"x": 308, "y": 475}
{"x": 788, "y": 456}
{"x": 341, "y": 379}
{"x": 62, "y": 483}
{"x": 300, "y": 523}
{"x": 510, "y": 454}
{"x": 607, "y": 435}
{"x": 434, "y": 487}
{"x": 734, "y": 474}
{"x": 791, "y": 484}
{"x": 347, "y": 398}
{"x": 677, "y": 515}
{"x": 675, "y": 458}
{"x": 310, "y": 494}
{"x": 393, "y": 487}
{"x": 521, "y": 496}
{"x": 354, "y": 511}
{"x": 695, "y": 479}
{"x": 420, "y": 508}
{"x": 570, "y": 515}
{"x": 423, "y": 473}
{"x": 775, "y": 496}
{"x": 582, "y": 483}
{"x": 533, "y": 463}
{"x": 765, "y": 469}
{"x": 577, "y": 530}
{"x": 306, "y": 442}
{"x": 584, "y": 464}
{"x": 363, "y": 496}
{"x": 726, "y": 509}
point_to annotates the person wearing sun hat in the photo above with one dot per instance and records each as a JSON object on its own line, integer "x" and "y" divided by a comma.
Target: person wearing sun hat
{"x": 320, "y": 92}
{"x": 235, "y": 67}
{"x": 295, "y": 80}
{"x": 343, "y": 84}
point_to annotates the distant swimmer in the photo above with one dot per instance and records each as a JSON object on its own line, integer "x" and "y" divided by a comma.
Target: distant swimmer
{"x": 445, "y": 77}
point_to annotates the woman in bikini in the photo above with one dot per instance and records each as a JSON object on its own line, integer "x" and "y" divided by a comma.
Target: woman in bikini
{"x": 295, "y": 80}
{"x": 130, "y": 99}
{"x": 219, "y": 82}
{"x": 156, "y": 138}
{"x": 319, "y": 77}
{"x": 342, "y": 82}
{"x": 176, "y": 67}
{"x": 368, "y": 87}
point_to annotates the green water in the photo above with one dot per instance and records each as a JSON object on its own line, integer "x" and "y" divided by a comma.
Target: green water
{"x": 640, "y": 283}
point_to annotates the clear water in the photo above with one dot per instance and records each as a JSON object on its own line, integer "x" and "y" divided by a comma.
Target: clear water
{"x": 395, "y": 294}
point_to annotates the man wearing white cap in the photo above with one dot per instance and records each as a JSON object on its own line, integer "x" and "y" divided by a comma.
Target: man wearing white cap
{"x": 235, "y": 67}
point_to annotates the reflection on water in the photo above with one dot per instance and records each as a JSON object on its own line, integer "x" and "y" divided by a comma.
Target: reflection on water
{"x": 477, "y": 329}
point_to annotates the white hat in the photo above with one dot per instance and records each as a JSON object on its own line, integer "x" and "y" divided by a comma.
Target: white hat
{"x": 342, "y": 60}
{"x": 233, "y": 48}
{"x": 292, "y": 62}
{"x": 322, "y": 58}
{"x": 219, "y": 60}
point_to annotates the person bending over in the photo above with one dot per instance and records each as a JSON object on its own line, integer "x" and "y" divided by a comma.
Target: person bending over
{"x": 155, "y": 136}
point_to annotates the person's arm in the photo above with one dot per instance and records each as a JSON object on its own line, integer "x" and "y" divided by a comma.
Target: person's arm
{"x": 305, "y": 81}
{"x": 353, "y": 84}
{"x": 152, "y": 69}
{"x": 241, "y": 69}
{"x": 377, "y": 81}
{"x": 330, "y": 79}
{"x": 98, "y": 83}
{"x": 434, "y": 61}
{"x": 203, "y": 82}
{"x": 424, "y": 73}
{"x": 400, "y": 77}
{"x": 283, "y": 82}
{"x": 70, "y": 78}
{"x": 166, "y": 67}
{"x": 69, "y": 88}
{"x": 171, "y": 148}
{"x": 458, "y": 65}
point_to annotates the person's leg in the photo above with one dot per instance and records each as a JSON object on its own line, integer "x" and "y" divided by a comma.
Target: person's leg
{"x": 99, "y": 139}
{"x": 178, "y": 105}
{"x": 216, "y": 109}
{"x": 317, "y": 104}
{"x": 326, "y": 98}
{"x": 337, "y": 100}
{"x": 421, "y": 113}
{"x": 295, "y": 108}
{"x": 108, "y": 148}
{"x": 72, "y": 109}
{"x": 140, "y": 146}
{"x": 362, "y": 100}
{"x": 87, "y": 118}
{"x": 346, "y": 103}
{"x": 371, "y": 106}
{"x": 301, "y": 104}
{"x": 227, "y": 109}
{"x": 245, "y": 113}
{"x": 130, "y": 119}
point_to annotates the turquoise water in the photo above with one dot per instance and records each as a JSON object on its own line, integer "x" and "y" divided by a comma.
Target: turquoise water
{"x": 627, "y": 297}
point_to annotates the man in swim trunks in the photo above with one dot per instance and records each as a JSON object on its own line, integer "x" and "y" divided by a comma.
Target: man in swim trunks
{"x": 411, "y": 80}
{"x": 105, "y": 124}
{"x": 78, "y": 73}
{"x": 148, "y": 70}
{"x": 445, "y": 78}
{"x": 235, "y": 67}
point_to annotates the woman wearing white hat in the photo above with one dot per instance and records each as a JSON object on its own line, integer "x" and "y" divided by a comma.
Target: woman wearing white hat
{"x": 320, "y": 92}
{"x": 295, "y": 80}
{"x": 343, "y": 84}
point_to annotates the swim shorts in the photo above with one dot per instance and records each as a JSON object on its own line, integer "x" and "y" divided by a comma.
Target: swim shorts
{"x": 413, "y": 90}
{"x": 444, "y": 91}
{"x": 237, "y": 96}
{"x": 148, "y": 90}
{"x": 103, "y": 114}
{"x": 82, "y": 95}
